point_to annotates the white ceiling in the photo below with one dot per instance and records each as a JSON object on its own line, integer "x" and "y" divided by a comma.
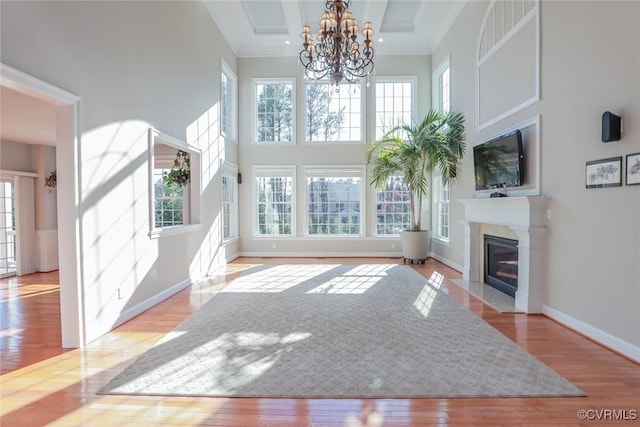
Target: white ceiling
{"x": 262, "y": 28}
{"x": 272, "y": 27}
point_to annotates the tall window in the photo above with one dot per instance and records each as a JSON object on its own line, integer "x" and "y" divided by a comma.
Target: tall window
{"x": 440, "y": 193}
{"x": 275, "y": 107}
{"x": 393, "y": 207}
{"x": 441, "y": 208}
{"x": 394, "y": 103}
{"x": 228, "y": 102}
{"x": 229, "y": 201}
{"x": 274, "y": 188}
{"x": 333, "y": 116}
{"x": 441, "y": 87}
{"x": 334, "y": 198}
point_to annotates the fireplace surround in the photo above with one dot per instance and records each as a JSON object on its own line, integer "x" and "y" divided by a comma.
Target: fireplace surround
{"x": 501, "y": 264}
{"x": 526, "y": 217}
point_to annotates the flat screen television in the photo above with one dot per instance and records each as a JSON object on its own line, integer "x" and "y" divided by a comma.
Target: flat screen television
{"x": 499, "y": 163}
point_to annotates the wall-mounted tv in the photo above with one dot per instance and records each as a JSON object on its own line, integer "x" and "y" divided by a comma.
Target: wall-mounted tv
{"x": 499, "y": 163}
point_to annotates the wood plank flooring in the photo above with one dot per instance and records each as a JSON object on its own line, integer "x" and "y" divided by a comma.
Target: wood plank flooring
{"x": 44, "y": 384}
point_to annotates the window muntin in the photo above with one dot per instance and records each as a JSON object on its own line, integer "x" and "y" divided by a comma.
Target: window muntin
{"x": 275, "y": 111}
{"x": 275, "y": 194}
{"x": 441, "y": 205}
{"x": 441, "y": 87}
{"x": 333, "y": 116}
{"x": 393, "y": 207}
{"x": 334, "y": 199}
{"x": 228, "y": 102}
{"x": 441, "y": 192}
{"x": 394, "y": 104}
{"x": 229, "y": 201}
{"x": 170, "y": 207}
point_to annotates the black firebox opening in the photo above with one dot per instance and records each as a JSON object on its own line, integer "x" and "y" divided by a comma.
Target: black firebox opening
{"x": 501, "y": 264}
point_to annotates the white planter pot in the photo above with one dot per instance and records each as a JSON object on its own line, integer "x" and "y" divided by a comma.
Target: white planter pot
{"x": 415, "y": 245}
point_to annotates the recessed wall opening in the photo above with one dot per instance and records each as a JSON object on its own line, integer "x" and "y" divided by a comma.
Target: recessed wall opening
{"x": 501, "y": 264}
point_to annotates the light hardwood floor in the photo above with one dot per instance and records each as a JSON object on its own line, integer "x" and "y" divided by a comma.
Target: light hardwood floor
{"x": 43, "y": 384}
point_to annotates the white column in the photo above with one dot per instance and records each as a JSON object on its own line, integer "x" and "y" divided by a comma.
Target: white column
{"x": 471, "y": 271}
{"x": 532, "y": 270}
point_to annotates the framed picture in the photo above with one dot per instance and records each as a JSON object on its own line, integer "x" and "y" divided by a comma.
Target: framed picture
{"x": 633, "y": 169}
{"x": 604, "y": 173}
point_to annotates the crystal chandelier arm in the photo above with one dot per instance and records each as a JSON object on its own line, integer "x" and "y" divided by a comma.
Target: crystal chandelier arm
{"x": 336, "y": 52}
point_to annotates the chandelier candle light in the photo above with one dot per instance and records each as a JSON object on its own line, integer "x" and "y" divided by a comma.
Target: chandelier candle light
{"x": 337, "y": 54}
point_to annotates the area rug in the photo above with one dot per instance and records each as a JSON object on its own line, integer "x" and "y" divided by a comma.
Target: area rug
{"x": 337, "y": 331}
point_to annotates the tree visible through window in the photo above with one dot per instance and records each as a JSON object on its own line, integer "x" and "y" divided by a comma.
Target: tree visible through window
{"x": 169, "y": 201}
{"x": 274, "y": 205}
{"x": 274, "y": 112}
{"x": 333, "y": 116}
{"x": 322, "y": 124}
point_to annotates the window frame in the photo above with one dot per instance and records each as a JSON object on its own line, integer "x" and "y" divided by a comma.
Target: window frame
{"x": 230, "y": 170}
{"x": 375, "y": 210}
{"x": 413, "y": 80}
{"x": 363, "y": 132}
{"x": 193, "y": 191}
{"x": 439, "y": 190}
{"x": 232, "y": 99}
{"x": 438, "y": 101}
{"x": 348, "y": 170}
{"x": 273, "y": 171}
{"x": 274, "y": 81}
{"x": 437, "y": 88}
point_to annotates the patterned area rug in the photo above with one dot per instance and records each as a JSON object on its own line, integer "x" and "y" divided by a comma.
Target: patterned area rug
{"x": 337, "y": 331}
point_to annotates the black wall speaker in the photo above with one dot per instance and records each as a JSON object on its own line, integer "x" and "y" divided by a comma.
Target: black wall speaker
{"x": 611, "y": 127}
{"x": 239, "y": 178}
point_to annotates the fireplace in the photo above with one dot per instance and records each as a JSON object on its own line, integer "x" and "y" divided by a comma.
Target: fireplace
{"x": 526, "y": 216}
{"x": 501, "y": 264}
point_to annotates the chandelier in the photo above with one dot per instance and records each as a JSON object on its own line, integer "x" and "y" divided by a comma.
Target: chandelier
{"x": 337, "y": 55}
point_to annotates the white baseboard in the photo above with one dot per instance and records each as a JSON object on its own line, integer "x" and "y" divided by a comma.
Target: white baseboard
{"x": 446, "y": 261}
{"x": 271, "y": 254}
{"x": 604, "y": 338}
{"x": 150, "y": 302}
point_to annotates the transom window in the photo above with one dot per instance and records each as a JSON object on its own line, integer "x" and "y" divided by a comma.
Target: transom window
{"x": 228, "y": 102}
{"x": 333, "y": 116}
{"x": 394, "y": 103}
{"x": 393, "y": 207}
{"x": 275, "y": 201}
{"x": 334, "y": 198}
{"x": 275, "y": 107}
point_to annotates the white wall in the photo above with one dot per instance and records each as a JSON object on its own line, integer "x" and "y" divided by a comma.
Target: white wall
{"x": 15, "y": 156}
{"x": 590, "y": 64}
{"x": 134, "y": 65}
{"x": 302, "y": 154}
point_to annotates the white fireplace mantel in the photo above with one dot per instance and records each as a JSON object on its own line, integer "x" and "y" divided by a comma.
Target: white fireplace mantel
{"x": 526, "y": 216}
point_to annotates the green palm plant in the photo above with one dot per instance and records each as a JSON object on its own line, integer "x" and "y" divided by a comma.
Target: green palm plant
{"x": 415, "y": 151}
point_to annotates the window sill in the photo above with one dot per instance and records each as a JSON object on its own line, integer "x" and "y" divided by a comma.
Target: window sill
{"x": 230, "y": 240}
{"x": 441, "y": 240}
{"x": 170, "y": 231}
